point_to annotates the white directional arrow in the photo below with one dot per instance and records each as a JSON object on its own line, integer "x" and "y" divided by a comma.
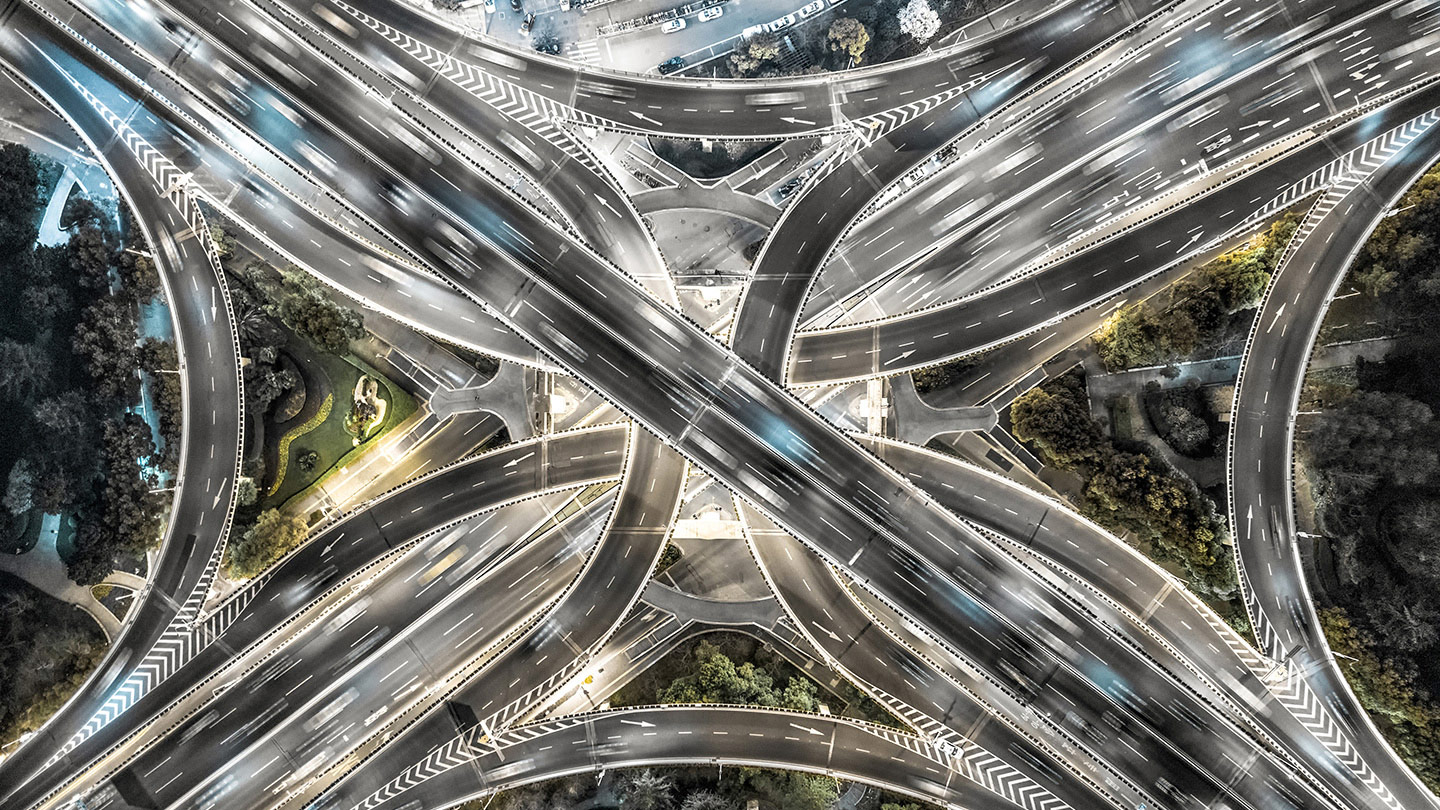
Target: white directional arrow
{"x": 644, "y": 117}
{"x": 515, "y": 461}
{"x": 326, "y": 550}
{"x": 827, "y": 631}
{"x": 1249, "y": 516}
{"x": 898, "y": 358}
{"x": 640, "y": 723}
{"x": 1255, "y": 125}
{"x": 1278, "y": 313}
{"x": 213, "y": 307}
{"x": 816, "y": 732}
{"x": 216, "y": 502}
{"x": 787, "y": 119}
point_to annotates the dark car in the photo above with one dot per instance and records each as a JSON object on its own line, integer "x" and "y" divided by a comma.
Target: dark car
{"x": 671, "y": 65}
{"x": 527, "y": 23}
{"x": 515, "y": 5}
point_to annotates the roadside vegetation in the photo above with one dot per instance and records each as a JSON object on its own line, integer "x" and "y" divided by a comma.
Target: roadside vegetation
{"x": 312, "y": 407}
{"x": 1126, "y": 487}
{"x": 1200, "y": 314}
{"x": 1372, "y": 460}
{"x": 877, "y": 32}
{"x": 693, "y": 788}
{"x": 75, "y": 443}
{"x": 47, "y": 650}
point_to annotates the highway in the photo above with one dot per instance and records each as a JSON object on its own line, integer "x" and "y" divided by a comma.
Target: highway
{"x": 198, "y": 523}
{"x": 344, "y": 550}
{"x": 1074, "y": 646}
{"x": 1124, "y": 137}
{"x": 1260, "y": 452}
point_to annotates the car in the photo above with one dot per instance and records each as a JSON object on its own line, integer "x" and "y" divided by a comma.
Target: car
{"x": 671, "y": 65}
{"x": 812, "y": 8}
{"x": 713, "y": 13}
{"x": 780, "y": 24}
{"x": 671, "y": 26}
{"x": 527, "y": 23}
{"x": 515, "y": 5}
{"x": 489, "y": 6}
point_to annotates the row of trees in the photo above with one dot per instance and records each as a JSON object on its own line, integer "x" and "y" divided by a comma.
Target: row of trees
{"x": 1127, "y": 489}
{"x": 68, "y": 374}
{"x": 1199, "y": 311}
{"x": 878, "y": 32}
{"x": 47, "y": 649}
{"x": 1373, "y": 458}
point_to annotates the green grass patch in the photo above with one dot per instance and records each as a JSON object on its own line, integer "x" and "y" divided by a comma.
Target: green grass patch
{"x": 334, "y": 443}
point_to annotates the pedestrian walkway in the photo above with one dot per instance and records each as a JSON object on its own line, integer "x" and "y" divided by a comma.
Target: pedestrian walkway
{"x": 42, "y": 567}
{"x": 584, "y": 52}
{"x": 50, "y": 233}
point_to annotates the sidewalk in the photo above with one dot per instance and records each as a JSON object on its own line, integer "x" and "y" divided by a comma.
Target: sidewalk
{"x": 41, "y": 567}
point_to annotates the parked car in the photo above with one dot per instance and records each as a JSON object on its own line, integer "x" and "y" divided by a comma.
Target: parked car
{"x": 671, "y": 65}
{"x": 515, "y": 5}
{"x": 671, "y": 26}
{"x": 780, "y": 24}
{"x": 489, "y": 6}
{"x": 812, "y": 8}
{"x": 527, "y": 23}
{"x": 712, "y": 13}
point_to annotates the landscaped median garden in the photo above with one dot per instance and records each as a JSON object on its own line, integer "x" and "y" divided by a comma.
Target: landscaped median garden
{"x": 313, "y": 406}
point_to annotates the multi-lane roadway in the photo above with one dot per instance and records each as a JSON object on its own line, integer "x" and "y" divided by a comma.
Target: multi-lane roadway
{"x": 459, "y": 172}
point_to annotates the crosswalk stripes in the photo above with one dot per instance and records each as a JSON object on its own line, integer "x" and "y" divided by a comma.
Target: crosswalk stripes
{"x": 585, "y": 52}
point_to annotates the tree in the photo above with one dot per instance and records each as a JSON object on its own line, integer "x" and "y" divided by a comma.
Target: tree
{"x": 302, "y": 306}
{"x": 848, "y": 36}
{"x": 44, "y": 301}
{"x": 105, "y": 341}
{"x": 90, "y": 254}
{"x": 246, "y": 493}
{"x": 546, "y": 41}
{"x": 1185, "y": 431}
{"x": 751, "y": 54}
{"x": 22, "y": 369}
{"x": 273, "y": 535}
{"x": 646, "y": 790}
{"x": 919, "y": 20}
{"x": 1375, "y": 280}
{"x": 1056, "y": 419}
{"x": 158, "y": 357}
{"x": 20, "y": 488}
{"x": 706, "y": 800}
{"x": 225, "y": 244}
{"x": 80, "y": 211}
{"x": 306, "y": 460}
{"x": 1375, "y": 437}
{"x": 139, "y": 277}
{"x": 19, "y": 199}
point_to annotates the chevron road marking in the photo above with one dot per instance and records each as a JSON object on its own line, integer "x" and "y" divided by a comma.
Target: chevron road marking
{"x": 1339, "y": 178}
{"x": 179, "y": 642}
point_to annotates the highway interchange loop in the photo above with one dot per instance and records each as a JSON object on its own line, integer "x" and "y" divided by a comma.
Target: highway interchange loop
{"x": 1037, "y": 659}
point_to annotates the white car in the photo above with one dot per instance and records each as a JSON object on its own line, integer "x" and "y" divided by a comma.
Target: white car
{"x": 780, "y": 24}
{"x": 489, "y": 6}
{"x": 811, "y": 8}
{"x": 671, "y": 26}
{"x": 712, "y": 13}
